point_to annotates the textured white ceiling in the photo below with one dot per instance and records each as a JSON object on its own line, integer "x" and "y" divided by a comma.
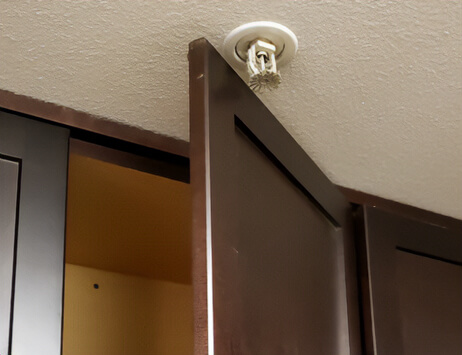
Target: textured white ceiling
{"x": 374, "y": 94}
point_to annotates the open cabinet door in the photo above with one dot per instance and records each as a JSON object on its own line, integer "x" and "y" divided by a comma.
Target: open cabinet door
{"x": 33, "y": 180}
{"x": 274, "y": 265}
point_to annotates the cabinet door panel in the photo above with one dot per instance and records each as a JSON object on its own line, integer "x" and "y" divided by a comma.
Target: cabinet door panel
{"x": 37, "y": 272}
{"x": 273, "y": 263}
{"x": 9, "y": 177}
{"x": 430, "y": 297}
{"x": 415, "y": 278}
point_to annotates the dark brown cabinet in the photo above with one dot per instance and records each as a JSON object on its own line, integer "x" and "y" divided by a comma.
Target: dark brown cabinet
{"x": 277, "y": 264}
{"x": 412, "y": 284}
{"x": 272, "y": 236}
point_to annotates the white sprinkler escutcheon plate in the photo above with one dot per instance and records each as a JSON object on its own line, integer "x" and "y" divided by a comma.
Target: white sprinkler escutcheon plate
{"x": 237, "y": 43}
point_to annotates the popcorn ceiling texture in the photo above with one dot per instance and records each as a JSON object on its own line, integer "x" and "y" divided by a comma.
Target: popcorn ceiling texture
{"x": 374, "y": 94}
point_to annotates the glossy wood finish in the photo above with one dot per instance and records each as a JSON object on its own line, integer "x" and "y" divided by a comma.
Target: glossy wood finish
{"x": 91, "y": 123}
{"x": 38, "y": 279}
{"x": 412, "y": 285}
{"x": 274, "y": 269}
{"x": 9, "y": 187}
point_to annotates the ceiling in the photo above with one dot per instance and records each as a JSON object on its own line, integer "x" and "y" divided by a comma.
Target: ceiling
{"x": 374, "y": 94}
{"x": 128, "y": 221}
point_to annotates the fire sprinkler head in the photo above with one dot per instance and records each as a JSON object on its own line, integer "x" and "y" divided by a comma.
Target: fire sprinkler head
{"x": 260, "y": 47}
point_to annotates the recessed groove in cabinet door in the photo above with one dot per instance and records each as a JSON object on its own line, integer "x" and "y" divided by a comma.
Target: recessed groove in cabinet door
{"x": 430, "y": 256}
{"x": 9, "y": 180}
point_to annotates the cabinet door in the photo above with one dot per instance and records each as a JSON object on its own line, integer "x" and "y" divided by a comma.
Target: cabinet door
{"x": 413, "y": 285}
{"x": 33, "y": 178}
{"x": 273, "y": 258}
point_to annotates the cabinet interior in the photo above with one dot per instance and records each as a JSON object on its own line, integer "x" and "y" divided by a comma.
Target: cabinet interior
{"x": 128, "y": 287}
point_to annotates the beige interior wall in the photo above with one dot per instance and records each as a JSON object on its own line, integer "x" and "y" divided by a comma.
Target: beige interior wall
{"x": 125, "y": 315}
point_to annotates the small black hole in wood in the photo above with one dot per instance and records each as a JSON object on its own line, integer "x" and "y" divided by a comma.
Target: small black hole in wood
{"x": 96, "y": 286}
